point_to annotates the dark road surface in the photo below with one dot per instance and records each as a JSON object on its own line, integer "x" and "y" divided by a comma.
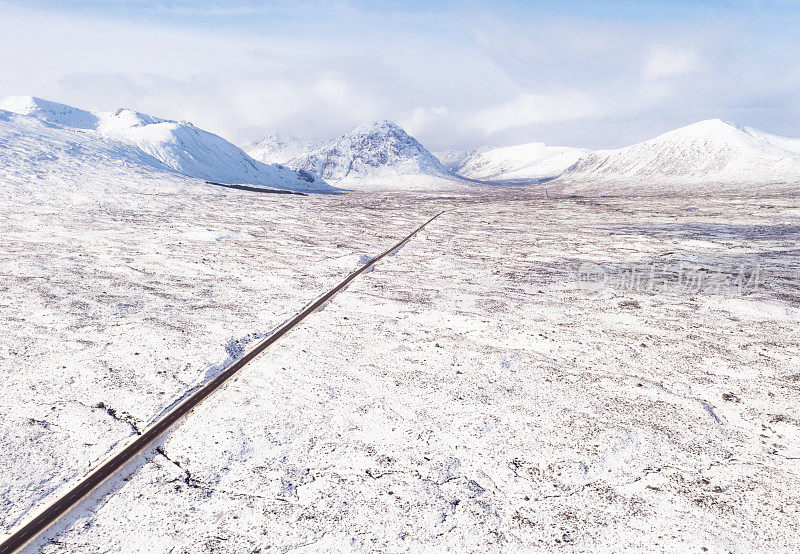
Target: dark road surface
{"x": 97, "y": 476}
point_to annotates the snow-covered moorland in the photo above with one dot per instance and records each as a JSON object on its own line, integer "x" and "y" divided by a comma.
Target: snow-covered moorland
{"x": 465, "y": 394}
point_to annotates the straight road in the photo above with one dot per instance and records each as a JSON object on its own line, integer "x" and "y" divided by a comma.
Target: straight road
{"x": 97, "y": 476}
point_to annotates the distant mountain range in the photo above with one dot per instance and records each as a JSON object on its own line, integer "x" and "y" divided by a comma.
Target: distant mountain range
{"x": 382, "y": 155}
{"x": 705, "y": 157}
{"x": 39, "y": 136}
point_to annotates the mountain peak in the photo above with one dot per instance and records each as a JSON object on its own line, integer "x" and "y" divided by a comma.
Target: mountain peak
{"x": 380, "y": 127}
{"x": 712, "y": 122}
{"x": 709, "y": 150}
{"x": 32, "y": 103}
{"x": 49, "y": 111}
{"x": 376, "y": 152}
{"x": 126, "y": 118}
{"x": 710, "y": 128}
{"x": 277, "y": 148}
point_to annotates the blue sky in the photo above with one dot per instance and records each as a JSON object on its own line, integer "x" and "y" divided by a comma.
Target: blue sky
{"x": 456, "y": 74}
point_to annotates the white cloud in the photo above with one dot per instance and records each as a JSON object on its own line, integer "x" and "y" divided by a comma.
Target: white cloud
{"x": 533, "y": 108}
{"x": 453, "y": 78}
{"x": 421, "y": 119}
{"x": 670, "y": 62}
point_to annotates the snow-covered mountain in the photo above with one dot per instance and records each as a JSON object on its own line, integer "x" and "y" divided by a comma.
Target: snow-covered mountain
{"x": 33, "y": 148}
{"x": 377, "y": 155}
{"x": 530, "y": 162}
{"x": 277, "y": 149}
{"x": 39, "y": 137}
{"x": 126, "y": 136}
{"x": 711, "y": 154}
{"x": 51, "y": 112}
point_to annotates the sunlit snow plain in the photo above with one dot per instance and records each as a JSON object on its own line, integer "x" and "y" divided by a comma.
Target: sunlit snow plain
{"x": 465, "y": 394}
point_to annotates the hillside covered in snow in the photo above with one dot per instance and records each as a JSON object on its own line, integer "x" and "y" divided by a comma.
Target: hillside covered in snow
{"x": 379, "y": 155}
{"x": 278, "y": 149}
{"x": 40, "y": 135}
{"x": 711, "y": 155}
{"x": 454, "y": 160}
{"x": 524, "y": 163}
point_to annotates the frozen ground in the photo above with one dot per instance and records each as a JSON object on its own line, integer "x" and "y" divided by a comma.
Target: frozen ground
{"x": 466, "y": 394}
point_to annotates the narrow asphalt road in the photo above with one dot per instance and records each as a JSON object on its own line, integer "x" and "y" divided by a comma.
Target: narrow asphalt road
{"x": 97, "y": 476}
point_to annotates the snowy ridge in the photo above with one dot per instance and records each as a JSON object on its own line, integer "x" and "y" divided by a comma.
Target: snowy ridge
{"x": 377, "y": 155}
{"x": 454, "y": 160}
{"x": 277, "y": 149}
{"x": 51, "y": 112}
{"x": 533, "y": 161}
{"x": 33, "y": 148}
{"x": 139, "y": 138}
{"x": 711, "y": 152}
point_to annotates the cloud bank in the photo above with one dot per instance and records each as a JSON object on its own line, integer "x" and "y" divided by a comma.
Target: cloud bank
{"x": 455, "y": 76}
